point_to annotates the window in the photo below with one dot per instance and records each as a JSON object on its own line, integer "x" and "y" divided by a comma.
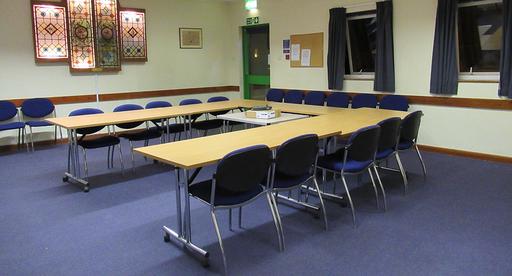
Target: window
{"x": 480, "y": 26}
{"x": 361, "y": 43}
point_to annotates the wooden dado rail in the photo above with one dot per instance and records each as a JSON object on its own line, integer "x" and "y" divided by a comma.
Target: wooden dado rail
{"x": 136, "y": 95}
{"x": 440, "y": 101}
{"x": 421, "y": 100}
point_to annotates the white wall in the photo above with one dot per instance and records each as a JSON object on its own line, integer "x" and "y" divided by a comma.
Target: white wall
{"x": 168, "y": 66}
{"x": 414, "y": 22}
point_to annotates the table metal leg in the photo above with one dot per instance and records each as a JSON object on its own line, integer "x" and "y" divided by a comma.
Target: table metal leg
{"x": 184, "y": 235}
{"x": 73, "y": 173}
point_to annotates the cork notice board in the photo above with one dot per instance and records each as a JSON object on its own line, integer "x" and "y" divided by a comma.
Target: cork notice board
{"x": 312, "y": 42}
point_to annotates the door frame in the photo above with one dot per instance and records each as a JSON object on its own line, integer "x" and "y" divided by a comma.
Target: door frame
{"x": 251, "y": 79}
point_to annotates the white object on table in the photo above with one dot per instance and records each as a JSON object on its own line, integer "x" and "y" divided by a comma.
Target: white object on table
{"x": 240, "y": 117}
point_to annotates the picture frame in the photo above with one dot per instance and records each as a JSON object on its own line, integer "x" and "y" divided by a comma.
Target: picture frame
{"x": 191, "y": 38}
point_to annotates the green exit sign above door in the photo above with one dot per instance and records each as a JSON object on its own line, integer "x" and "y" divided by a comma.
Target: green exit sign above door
{"x": 253, "y": 20}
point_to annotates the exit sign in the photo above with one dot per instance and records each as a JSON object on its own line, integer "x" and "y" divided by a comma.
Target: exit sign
{"x": 253, "y": 20}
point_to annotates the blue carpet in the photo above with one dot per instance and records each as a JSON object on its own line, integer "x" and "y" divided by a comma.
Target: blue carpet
{"x": 457, "y": 222}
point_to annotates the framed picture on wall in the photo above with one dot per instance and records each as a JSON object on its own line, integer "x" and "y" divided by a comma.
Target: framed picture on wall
{"x": 191, "y": 38}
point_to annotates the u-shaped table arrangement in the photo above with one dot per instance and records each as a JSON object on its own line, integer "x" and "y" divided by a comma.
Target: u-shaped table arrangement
{"x": 187, "y": 157}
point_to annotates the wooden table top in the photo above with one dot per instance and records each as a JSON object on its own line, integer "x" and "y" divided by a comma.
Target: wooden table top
{"x": 199, "y": 152}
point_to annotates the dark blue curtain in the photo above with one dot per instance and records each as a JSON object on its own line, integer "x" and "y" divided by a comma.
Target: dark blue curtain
{"x": 337, "y": 48}
{"x": 384, "y": 59}
{"x": 505, "y": 89}
{"x": 445, "y": 74}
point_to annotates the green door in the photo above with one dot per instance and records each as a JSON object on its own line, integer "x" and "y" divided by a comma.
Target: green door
{"x": 256, "y": 63}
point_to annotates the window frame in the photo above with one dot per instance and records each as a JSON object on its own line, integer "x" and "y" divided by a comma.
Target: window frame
{"x": 358, "y": 75}
{"x": 474, "y": 76}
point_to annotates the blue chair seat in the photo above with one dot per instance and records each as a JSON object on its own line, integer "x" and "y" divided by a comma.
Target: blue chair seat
{"x": 208, "y": 124}
{"x": 203, "y": 191}
{"x": 38, "y": 123}
{"x": 282, "y": 181}
{"x": 142, "y": 135}
{"x": 103, "y": 141}
{"x": 335, "y": 162}
{"x": 173, "y": 128}
{"x": 9, "y": 126}
{"x": 403, "y": 145}
{"x": 383, "y": 154}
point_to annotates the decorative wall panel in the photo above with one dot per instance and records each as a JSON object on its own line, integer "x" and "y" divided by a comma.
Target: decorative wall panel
{"x": 81, "y": 35}
{"x": 133, "y": 34}
{"x": 107, "y": 35}
{"x": 50, "y": 32}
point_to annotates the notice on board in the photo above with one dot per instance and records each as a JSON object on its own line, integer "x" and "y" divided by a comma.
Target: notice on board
{"x": 295, "y": 52}
{"x": 305, "y": 58}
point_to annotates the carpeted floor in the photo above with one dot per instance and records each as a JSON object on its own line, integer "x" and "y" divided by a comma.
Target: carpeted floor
{"x": 457, "y": 222}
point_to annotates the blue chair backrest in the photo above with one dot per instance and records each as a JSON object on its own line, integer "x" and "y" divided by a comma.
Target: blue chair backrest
{"x": 158, "y": 104}
{"x": 37, "y": 108}
{"x": 128, "y": 107}
{"x": 7, "y": 110}
{"x": 190, "y": 102}
{"x": 87, "y": 111}
{"x": 315, "y": 98}
{"x": 362, "y": 144}
{"x": 275, "y": 95}
{"x": 364, "y": 100}
{"x": 410, "y": 127}
{"x": 296, "y": 156}
{"x": 294, "y": 96}
{"x": 243, "y": 169}
{"x": 394, "y": 102}
{"x": 218, "y": 99}
{"x": 389, "y": 132}
{"x": 338, "y": 99}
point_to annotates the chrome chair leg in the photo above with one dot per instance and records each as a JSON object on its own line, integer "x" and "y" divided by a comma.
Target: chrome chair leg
{"x": 349, "y": 199}
{"x": 421, "y": 160}
{"x": 24, "y": 140}
{"x": 55, "y": 135}
{"x": 108, "y": 157}
{"x": 231, "y": 219}
{"x": 120, "y": 158}
{"x": 374, "y": 187}
{"x": 86, "y": 169}
{"x": 321, "y": 203}
{"x": 381, "y": 188}
{"x": 217, "y": 231}
{"x": 19, "y": 137}
{"x": 132, "y": 156}
{"x": 275, "y": 217}
{"x": 402, "y": 171}
{"x": 69, "y": 158}
{"x": 31, "y": 138}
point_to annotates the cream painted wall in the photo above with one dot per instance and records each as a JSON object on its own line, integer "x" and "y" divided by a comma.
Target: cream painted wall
{"x": 168, "y": 66}
{"x": 414, "y": 22}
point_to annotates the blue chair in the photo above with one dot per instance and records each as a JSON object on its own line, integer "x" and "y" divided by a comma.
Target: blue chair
{"x": 394, "y": 102}
{"x": 145, "y": 134}
{"x": 103, "y": 141}
{"x": 294, "y": 97}
{"x": 175, "y": 128}
{"x": 193, "y": 117}
{"x": 357, "y": 157}
{"x": 364, "y": 100}
{"x": 275, "y": 95}
{"x": 409, "y": 131}
{"x": 295, "y": 164}
{"x": 237, "y": 182}
{"x": 388, "y": 147}
{"x": 10, "y": 120}
{"x": 338, "y": 99}
{"x": 315, "y": 98}
{"x": 34, "y": 111}
{"x": 210, "y": 124}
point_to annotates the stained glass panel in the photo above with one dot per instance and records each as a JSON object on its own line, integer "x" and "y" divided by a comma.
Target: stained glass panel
{"x": 81, "y": 35}
{"x": 107, "y": 36}
{"x": 50, "y": 32}
{"x": 133, "y": 34}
